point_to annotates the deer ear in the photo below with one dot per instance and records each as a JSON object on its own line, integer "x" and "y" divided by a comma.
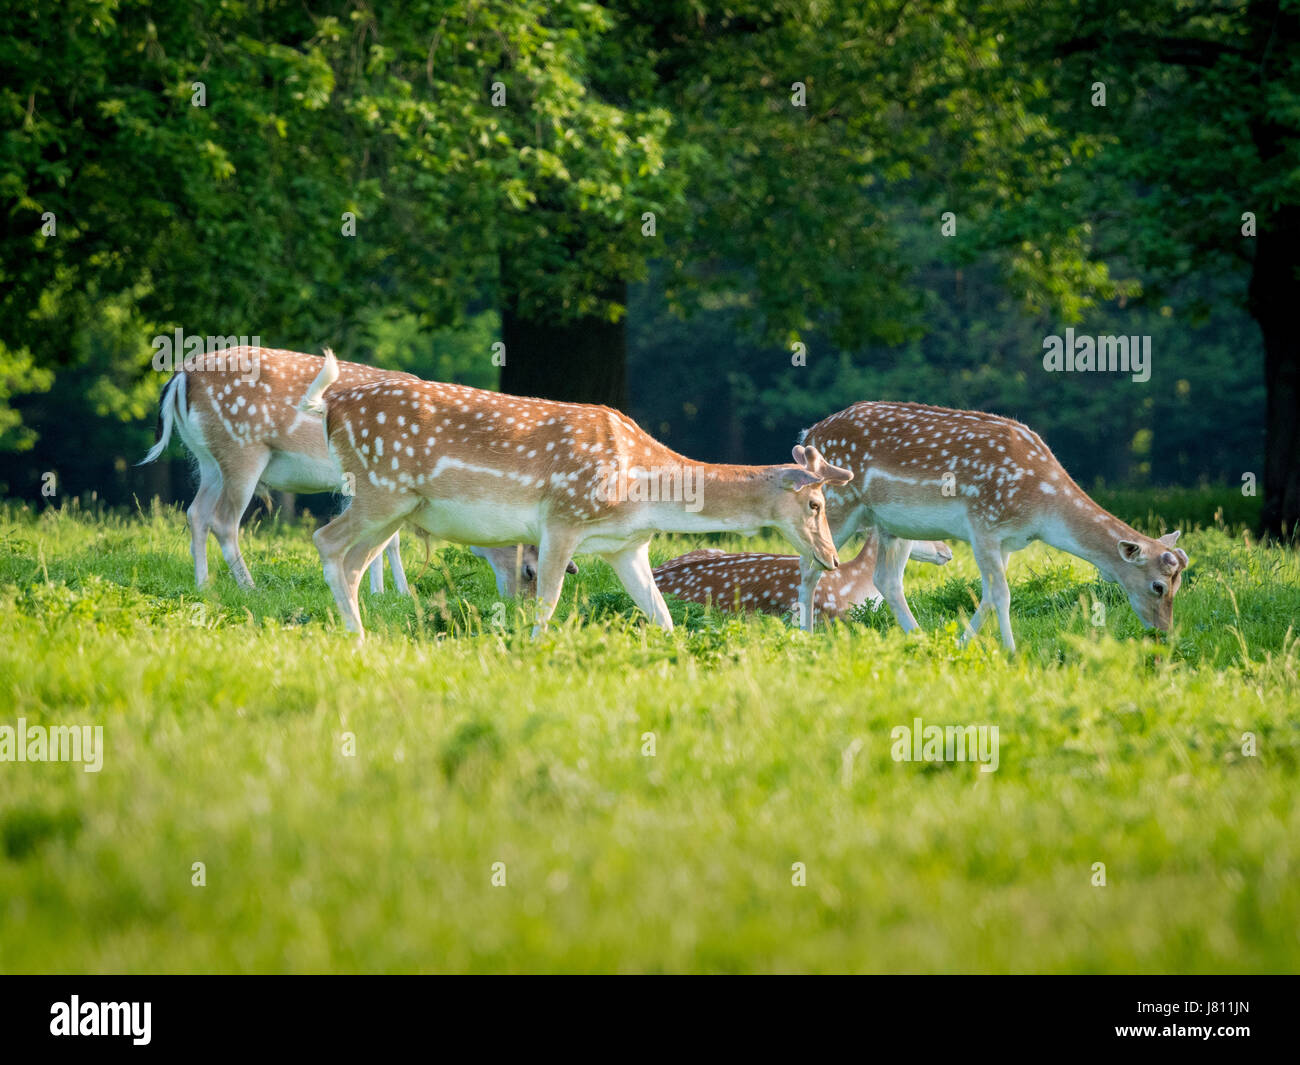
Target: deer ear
{"x": 1169, "y": 539}
{"x": 794, "y": 480}
{"x": 1130, "y": 551}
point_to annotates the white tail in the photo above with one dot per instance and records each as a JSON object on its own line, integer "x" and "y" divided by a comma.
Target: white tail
{"x": 770, "y": 583}
{"x": 481, "y": 467}
{"x": 929, "y": 471}
{"x": 171, "y": 406}
{"x": 313, "y": 401}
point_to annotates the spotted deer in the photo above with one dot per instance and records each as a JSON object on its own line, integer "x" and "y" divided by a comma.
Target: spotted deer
{"x": 237, "y": 413}
{"x": 770, "y": 583}
{"x": 515, "y": 569}
{"x": 485, "y": 468}
{"x": 930, "y": 472}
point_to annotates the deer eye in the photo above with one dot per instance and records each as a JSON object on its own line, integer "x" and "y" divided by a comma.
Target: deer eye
{"x": 1157, "y": 588}
{"x": 814, "y": 506}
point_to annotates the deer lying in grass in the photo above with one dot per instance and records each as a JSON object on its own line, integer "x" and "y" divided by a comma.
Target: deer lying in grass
{"x": 770, "y": 583}
{"x": 481, "y": 467}
{"x": 928, "y": 472}
{"x": 238, "y": 415}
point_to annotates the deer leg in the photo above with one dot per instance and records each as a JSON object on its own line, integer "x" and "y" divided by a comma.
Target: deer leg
{"x": 332, "y": 542}
{"x": 393, "y": 549}
{"x": 367, "y": 552}
{"x": 200, "y": 517}
{"x": 891, "y": 560}
{"x": 553, "y": 555}
{"x": 810, "y": 572}
{"x": 1002, "y": 601}
{"x": 981, "y": 611}
{"x": 632, "y": 567}
{"x": 347, "y": 545}
{"x": 238, "y": 483}
{"x": 996, "y": 592}
{"x": 394, "y": 563}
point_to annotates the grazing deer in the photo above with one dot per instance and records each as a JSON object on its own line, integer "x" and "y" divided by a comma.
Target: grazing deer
{"x": 485, "y": 468}
{"x": 237, "y": 412}
{"x": 515, "y": 569}
{"x": 927, "y": 472}
{"x": 770, "y": 583}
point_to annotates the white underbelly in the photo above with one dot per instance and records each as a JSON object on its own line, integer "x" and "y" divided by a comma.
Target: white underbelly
{"x": 931, "y": 521}
{"x": 292, "y": 471}
{"x": 493, "y": 524}
{"x": 485, "y": 523}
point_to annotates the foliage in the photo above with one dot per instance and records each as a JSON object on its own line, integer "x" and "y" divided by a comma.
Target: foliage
{"x": 229, "y": 217}
{"x": 746, "y": 400}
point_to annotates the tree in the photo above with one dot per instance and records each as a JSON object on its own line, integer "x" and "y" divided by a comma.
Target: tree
{"x": 812, "y": 134}
{"x": 276, "y": 172}
{"x": 1201, "y": 135}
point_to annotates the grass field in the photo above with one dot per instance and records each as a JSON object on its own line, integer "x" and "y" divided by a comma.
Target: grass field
{"x": 227, "y": 716}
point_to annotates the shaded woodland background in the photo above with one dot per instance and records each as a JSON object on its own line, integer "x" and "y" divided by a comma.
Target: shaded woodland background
{"x": 193, "y": 165}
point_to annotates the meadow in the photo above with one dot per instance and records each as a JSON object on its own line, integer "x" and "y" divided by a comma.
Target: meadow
{"x": 454, "y": 796}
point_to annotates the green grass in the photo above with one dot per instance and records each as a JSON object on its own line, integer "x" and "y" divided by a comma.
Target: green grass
{"x": 225, "y": 716}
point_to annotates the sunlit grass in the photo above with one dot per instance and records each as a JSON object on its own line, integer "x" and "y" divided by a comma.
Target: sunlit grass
{"x": 227, "y": 713}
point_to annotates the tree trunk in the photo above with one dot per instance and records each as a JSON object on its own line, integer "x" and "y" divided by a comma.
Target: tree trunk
{"x": 1274, "y": 295}
{"x": 583, "y": 361}
{"x": 1273, "y": 298}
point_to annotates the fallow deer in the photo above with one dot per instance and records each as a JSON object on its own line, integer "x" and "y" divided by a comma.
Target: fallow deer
{"x": 515, "y": 569}
{"x": 930, "y": 472}
{"x": 770, "y": 583}
{"x": 485, "y": 468}
{"x": 237, "y": 412}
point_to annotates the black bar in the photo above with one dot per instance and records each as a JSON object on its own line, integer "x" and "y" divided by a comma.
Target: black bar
{"x": 450, "y": 1017}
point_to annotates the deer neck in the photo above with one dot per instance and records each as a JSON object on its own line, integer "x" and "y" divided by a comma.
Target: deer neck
{"x": 1089, "y": 532}
{"x": 708, "y": 497}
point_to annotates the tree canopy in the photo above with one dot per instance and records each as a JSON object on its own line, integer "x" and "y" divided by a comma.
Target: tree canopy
{"x": 409, "y": 183}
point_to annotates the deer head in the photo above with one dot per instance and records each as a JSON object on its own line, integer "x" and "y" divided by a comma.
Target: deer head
{"x": 515, "y": 568}
{"x": 934, "y": 551}
{"x": 1151, "y": 572}
{"x": 802, "y": 517}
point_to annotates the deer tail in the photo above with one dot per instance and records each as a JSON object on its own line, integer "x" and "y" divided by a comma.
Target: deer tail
{"x": 173, "y": 394}
{"x": 314, "y": 401}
